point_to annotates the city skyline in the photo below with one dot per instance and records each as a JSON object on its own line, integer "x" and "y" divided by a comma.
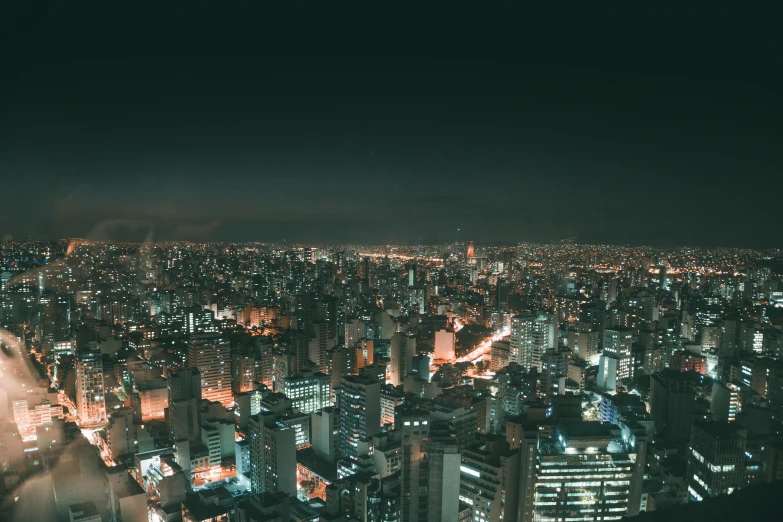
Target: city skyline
{"x": 283, "y": 376}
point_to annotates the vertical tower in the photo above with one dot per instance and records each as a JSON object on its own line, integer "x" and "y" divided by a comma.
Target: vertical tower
{"x": 90, "y": 399}
{"x": 490, "y": 469}
{"x": 400, "y": 368}
{"x": 471, "y": 254}
{"x": 585, "y": 469}
{"x": 616, "y": 362}
{"x": 211, "y": 355}
{"x": 272, "y": 456}
{"x": 360, "y": 412}
{"x": 354, "y": 330}
{"x": 429, "y": 468}
{"x": 531, "y": 336}
{"x": 184, "y": 390}
{"x": 716, "y": 460}
{"x": 243, "y": 371}
{"x": 412, "y": 273}
{"x": 309, "y": 392}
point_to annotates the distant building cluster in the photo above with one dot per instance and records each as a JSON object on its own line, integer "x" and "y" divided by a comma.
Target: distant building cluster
{"x": 181, "y": 382}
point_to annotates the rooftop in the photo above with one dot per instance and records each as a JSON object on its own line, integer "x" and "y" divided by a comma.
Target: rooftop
{"x": 321, "y": 467}
{"x": 83, "y": 510}
{"x": 585, "y": 430}
{"x": 719, "y": 430}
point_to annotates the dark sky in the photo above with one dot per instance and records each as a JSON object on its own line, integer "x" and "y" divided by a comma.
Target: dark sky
{"x": 221, "y": 124}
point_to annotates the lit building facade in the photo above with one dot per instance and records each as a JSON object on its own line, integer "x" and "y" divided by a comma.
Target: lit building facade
{"x": 616, "y": 361}
{"x": 90, "y": 393}
{"x": 211, "y": 355}
{"x": 716, "y": 459}
{"x": 489, "y": 480}
{"x": 272, "y": 456}
{"x": 308, "y": 391}
{"x": 359, "y": 403}
{"x": 587, "y": 472}
{"x": 532, "y": 335}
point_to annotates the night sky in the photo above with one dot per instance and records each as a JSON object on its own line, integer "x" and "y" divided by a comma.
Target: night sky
{"x": 414, "y": 127}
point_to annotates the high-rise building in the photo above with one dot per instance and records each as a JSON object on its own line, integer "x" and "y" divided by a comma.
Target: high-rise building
{"x": 616, "y": 361}
{"x": 526, "y": 440}
{"x": 682, "y": 361}
{"x": 354, "y": 331}
{"x": 272, "y": 456}
{"x": 532, "y": 335}
{"x": 429, "y": 464}
{"x": 445, "y": 345}
{"x": 471, "y": 254}
{"x": 182, "y": 413}
{"x": 376, "y": 498}
{"x": 400, "y": 348}
{"x": 584, "y": 342}
{"x": 716, "y": 459}
{"x": 308, "y": 391}
{"x": 341, "y": 362}
{"x": 211, "y": 354}
{"x": 390, "y": 399}
{"x": 248, "y": 404}
{"x": 324, "y": 434}
{"x": 554, "y": 370}
{"x": 489, "y": 480}
{"x": 364, "y": 353}
{"x": 725, "y": 401}
{"x": 728, "y": 339}
{"x": 412, "y": 277}
{"x": 124, "y": 437}
{"x": 90, "y": 393}
{"x": 584, "y": 472}
{"x": 217, "y": 435}
{"x": 197, "y": 320}
{"x": 673, "y": 403}
{"x": 243, "y": 371}
{"x": 321, "y": 341}
{"x": 462, "y": 421}
{"x": 663, "y": 279}
{"x": 359, "y": 404}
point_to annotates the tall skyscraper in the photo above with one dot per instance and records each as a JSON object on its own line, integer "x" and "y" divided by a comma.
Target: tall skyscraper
{"x": 445, "y": 345}
{"x": 401, "y": 349}
{"x": 324, "y": 433}
{"x": 184, "y": 390}
{"x": 716, "y": 459}
{"x": 364, "y": 353}
{"x": 211, "y": 354}
{"x": 583, "y": 340}
{"x": 319, "y": 344}
{"x": 471, "y": 254}
{"x": 616, "y": 361}
{"x": 354, "y": 330}
{"x": 725, "y": 401}
{"x": 243, "y": 371}
{"x": 489, "y": 480}
{"x": 532, "y": 334}
{"x": 359, "y": 402}
{"x": 272, "y": 455}
{"x": 412, "y": 277}
{"x": 585, "y": 472}
{"x": 90, "y": 393}
{"x": 429, "y": 467}
{"x": 663, "y": 279}
{"x": 673, "y": 403}
{"x": 308, "y": 391}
